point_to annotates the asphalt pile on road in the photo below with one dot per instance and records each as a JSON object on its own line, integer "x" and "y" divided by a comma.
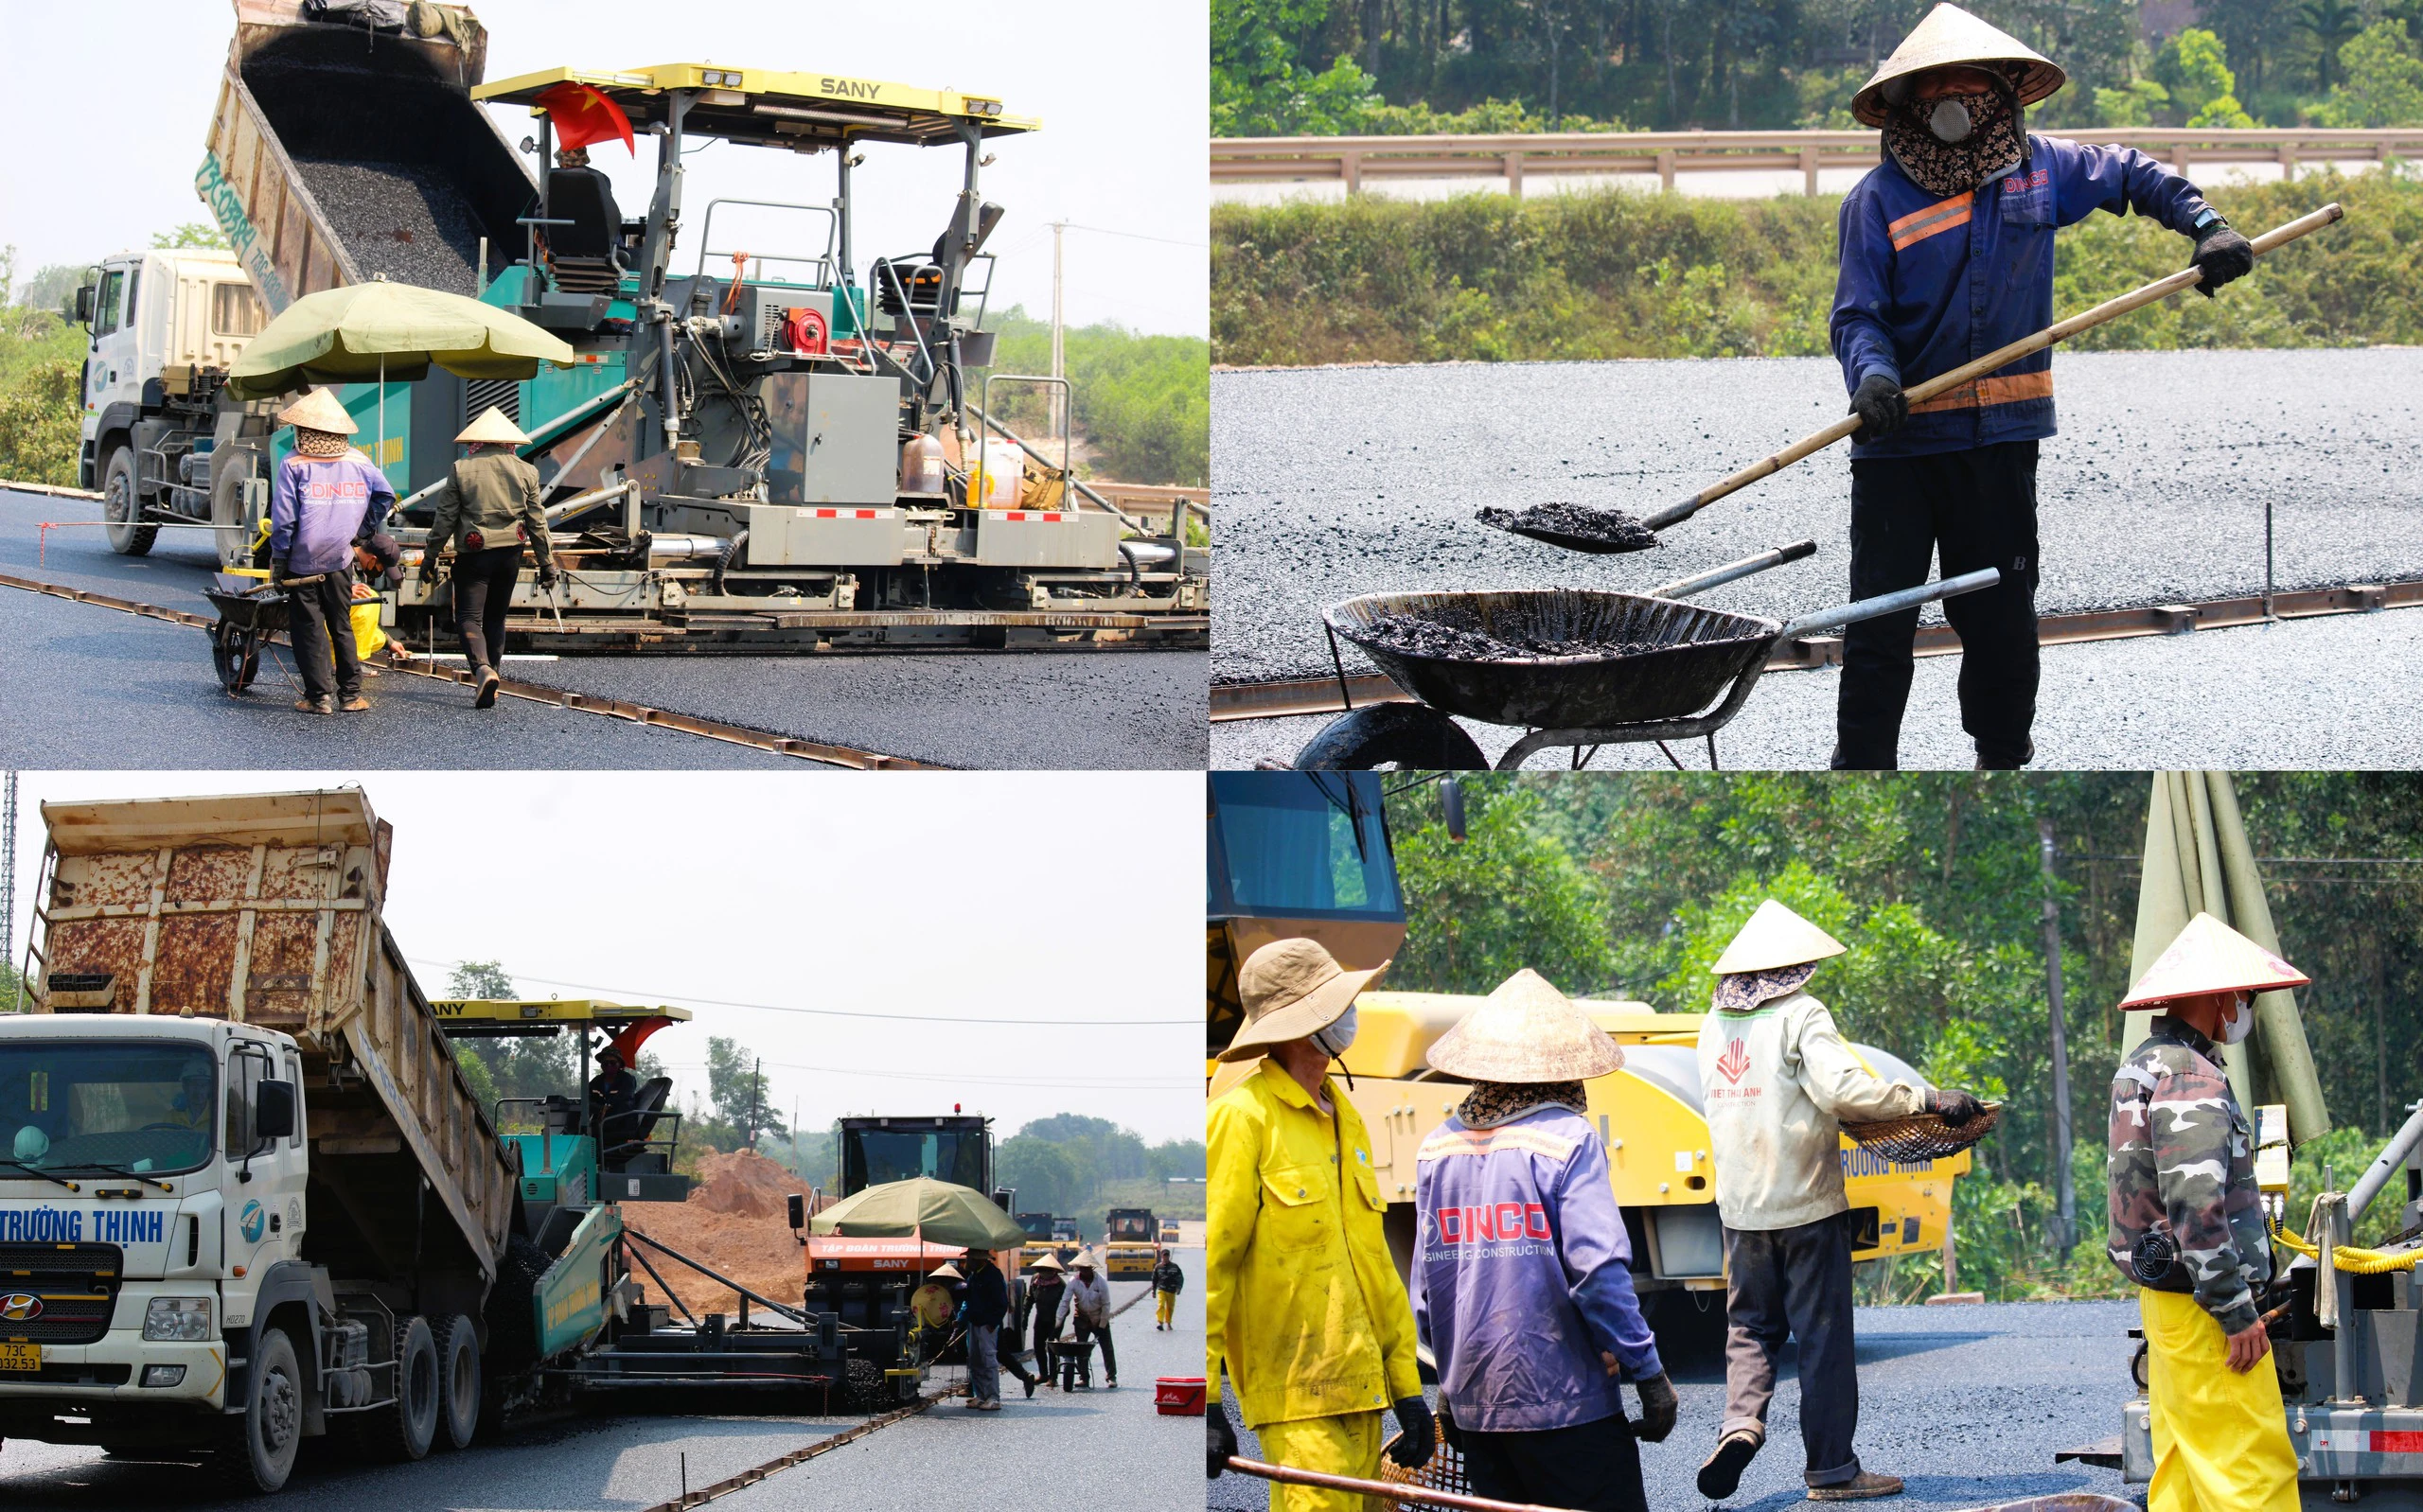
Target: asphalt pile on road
{"x": 1458, "y": 635}
{"x": 1612, "y": 529}
{"x": 734, "y": 1222}
{"x": 403, "y": 219}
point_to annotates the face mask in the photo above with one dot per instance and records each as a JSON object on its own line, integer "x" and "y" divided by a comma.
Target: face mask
{"x": 1952, "y": 116}
{"x": 2242, "y": 1025}
{"x": 1955, "y": 143}
{"x": 1334, "y": 1039}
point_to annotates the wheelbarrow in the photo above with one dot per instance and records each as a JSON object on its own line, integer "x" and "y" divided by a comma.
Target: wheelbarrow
{"x": 249, "y": 613}
{"x": 1668, "y": 670}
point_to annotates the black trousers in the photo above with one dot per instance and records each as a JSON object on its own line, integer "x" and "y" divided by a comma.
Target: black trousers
{"x": 1977, "y": 508}
{"x": 319, "y": 624}
{"x": 483, "y": 597}
{"x": 1081, "y": 1330}
{"x": 1589, "y": 1467}
{"x": 1797, "y": 1281}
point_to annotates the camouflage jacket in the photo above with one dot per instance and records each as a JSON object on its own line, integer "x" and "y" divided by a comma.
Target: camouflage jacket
{"x": 2185, "y": 1215}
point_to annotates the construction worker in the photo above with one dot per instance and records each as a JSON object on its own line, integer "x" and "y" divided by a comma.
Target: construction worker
{"x": 1168, "y": 1280}
{"x": 487, "y": 510}
{"x": 932, "y": 1307}
{"x": 1047, "y": 1279}
{"x": 374, "y": 566}
{"x": 1085, "y": 1304}
{"x": 323, "y": 494}
{"x": 1775, "y": 1080}
{"x": 613, "y": 1094}
{"x": 988, "y": 1303}
{"x": 1946, "y": 253}
{"x": 1302, "y": 1303}
{"x": 1515, "y": 1219}
{"x": 2187, "y": 1229}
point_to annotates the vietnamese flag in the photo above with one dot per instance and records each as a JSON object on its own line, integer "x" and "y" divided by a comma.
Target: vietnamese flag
{"x": 582, "y": 116}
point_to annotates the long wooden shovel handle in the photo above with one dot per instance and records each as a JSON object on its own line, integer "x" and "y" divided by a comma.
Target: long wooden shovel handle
{"x": 1966, "y": 372}
{"x": 1293, "y": 1476}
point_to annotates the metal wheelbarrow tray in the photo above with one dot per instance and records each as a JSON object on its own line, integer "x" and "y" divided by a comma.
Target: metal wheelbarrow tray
{"x": 1673, "y": 670}
{"x": 249, "y": 612}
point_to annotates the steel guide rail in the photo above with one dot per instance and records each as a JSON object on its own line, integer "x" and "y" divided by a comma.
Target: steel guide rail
{"x": 537, "y": 692}
{"x": 1292, "y": 698}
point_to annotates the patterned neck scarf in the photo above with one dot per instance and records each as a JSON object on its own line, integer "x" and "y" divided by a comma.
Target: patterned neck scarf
{"x": 1993, "y": 145}
{"x": 1743, "y": 990}
{"x": 1491, "y": 1103}
{"x": 311, "y": 443}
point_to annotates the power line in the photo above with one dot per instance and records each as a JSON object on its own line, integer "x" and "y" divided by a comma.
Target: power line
{"x": 1137, "y": 235}
{"x": 1037, "y": 1082}
{"x": 836, "y": 1013}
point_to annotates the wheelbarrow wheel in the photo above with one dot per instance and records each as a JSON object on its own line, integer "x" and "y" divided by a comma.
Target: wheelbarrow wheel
{"x": 235, "y": 653}
{"x": 1411, "y": 736}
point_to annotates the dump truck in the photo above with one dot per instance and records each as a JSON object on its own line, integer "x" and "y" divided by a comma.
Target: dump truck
{"x": 1129, "y": 1240}
{"x": 247, "y": 1196}
{"x": 1309, "y": 854}
{"x": 767, "y": 439}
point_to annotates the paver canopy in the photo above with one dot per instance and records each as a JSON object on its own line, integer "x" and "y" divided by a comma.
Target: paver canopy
{"x": 940, "y": 1212}
{"x": 364, "y": 332}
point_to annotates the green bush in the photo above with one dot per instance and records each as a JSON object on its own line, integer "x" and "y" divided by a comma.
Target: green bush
{"x": 40, "y": 366}
{"x": 1143, "y": 403}
{"x": 1618, "y": 272}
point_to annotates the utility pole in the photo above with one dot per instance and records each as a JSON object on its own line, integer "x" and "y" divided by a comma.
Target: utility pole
{"x": 756, "y": 1098}
{"x": 1059, "y": 398}
{"x": 2068, "y": 1235}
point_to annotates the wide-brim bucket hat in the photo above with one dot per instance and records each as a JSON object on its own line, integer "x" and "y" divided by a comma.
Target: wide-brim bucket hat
{"x": 1775, "y": 938}
{"x": 318, "y": 411}
{"x": 1290, "y": 989}
{"x": 2210, "y": 957}
{"x": 1949, "y": 37}
{"x": 1525, "y": 1031}
{"x": 492, "y": 427}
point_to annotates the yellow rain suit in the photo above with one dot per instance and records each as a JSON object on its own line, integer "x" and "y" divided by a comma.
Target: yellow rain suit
{"x": 2220, "y": 1438}
{"x": 1302, "y": 1303}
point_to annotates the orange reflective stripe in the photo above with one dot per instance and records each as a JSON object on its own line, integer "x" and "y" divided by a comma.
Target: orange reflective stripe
{"x": 2000, "y": 390}
{"x": 1919, "y": 224}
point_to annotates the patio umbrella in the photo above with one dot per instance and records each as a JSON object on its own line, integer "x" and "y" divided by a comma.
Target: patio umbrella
{"x": 2199, "y": 860}
{"x": 939, "y": 1212}
{"x": 365, "y": 333}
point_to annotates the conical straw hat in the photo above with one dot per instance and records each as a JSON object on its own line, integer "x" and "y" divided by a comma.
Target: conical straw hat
{"x": 1525, "y": 1031}
{"x": 1948, "y": 36}
{"x": 1050, "y": 1262}
{"x": 2210, "y": 957}
{"x": 948, "y": 1271}
{"x": 1085, "y": 1261}
{"x": 1291, "y": 988}
{"x": 492, "y": 425}
{"x": 318, "y": 411}
{"x": 1776, "y": 936}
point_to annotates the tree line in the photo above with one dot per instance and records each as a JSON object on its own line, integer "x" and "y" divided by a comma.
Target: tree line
{"x": 1937, "y": 882}
{"x": 1284, "y": 67}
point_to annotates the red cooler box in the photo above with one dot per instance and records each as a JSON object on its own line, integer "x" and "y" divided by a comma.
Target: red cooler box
{"x": 1179, "y": 1396}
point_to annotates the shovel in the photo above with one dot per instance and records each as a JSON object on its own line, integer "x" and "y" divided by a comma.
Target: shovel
{"x": 1601, "y": 531}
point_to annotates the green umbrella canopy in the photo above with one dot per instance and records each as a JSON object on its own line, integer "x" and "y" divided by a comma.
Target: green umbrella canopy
{"x": 343, "y": 335}
{"x": 940, "y": 1212}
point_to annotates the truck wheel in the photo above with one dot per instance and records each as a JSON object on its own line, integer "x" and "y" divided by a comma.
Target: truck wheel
{"x": 1405, "y": 735}
{"x": 403, "y": 1430}
{"x": 458, "y": 1381}
{"x": 119, "y": 503}
{"x": 231, "y": 468}
{"x": 255, "y": 1450}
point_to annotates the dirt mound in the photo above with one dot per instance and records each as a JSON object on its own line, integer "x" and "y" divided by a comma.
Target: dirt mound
{"x": 734, "y": 1222}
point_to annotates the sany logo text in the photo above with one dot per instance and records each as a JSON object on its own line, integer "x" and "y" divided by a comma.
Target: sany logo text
{"x": 1497, "y": 1220}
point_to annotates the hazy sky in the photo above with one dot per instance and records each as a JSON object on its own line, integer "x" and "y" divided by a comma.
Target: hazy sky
{"x": 1123, "y": 91}
{"x": 969, "y": 915}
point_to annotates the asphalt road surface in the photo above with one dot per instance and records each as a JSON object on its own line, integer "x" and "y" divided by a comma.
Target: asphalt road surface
{"x": 1967, "y": 1404}
{"x": 1339, "y": 482}
{"x": 1102, "y": 1448}
{"x": 2336, "y": 691}
{"x": 111, "y": 690}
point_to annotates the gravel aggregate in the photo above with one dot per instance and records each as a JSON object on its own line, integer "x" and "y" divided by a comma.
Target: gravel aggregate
{"x": 2333, "y": 693}
{"x": 403, "y": 220}
{"x": 1572, "y": 525}
{"x": 1339, "y": 482}
{"x": 1968, "y": 1405}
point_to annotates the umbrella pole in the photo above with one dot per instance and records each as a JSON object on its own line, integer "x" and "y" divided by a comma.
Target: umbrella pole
{"x": 381, "y": 461}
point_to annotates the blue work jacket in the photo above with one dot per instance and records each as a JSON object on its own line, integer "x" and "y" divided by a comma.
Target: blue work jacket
{"x": 1928, "y": 283}
{"x": 1524, "y": 1274}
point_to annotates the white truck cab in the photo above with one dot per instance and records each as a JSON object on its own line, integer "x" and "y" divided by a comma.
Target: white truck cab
{"x": 152, "y": 1173}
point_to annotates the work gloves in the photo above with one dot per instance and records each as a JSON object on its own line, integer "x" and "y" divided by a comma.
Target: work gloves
{"x": 546, "y": 579}
{"x": 1658, "y": 1405}
{"x": 1954, "y": 1107}
{"x": 277, "y": 572}
{"x": 1224, "y": 1438}
{"x": 428, "y": 568}
{"x": 1420, "y": 1440}
{"x": 1880, "y": 405}
{"x": 2223, "y": 254}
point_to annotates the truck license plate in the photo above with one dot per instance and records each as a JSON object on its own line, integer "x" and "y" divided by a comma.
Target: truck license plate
{"x": 20, "y": 1357}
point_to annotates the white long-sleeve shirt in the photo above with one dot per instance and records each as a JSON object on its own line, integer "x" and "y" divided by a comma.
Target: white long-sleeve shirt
{"x": 1090, "y": 1300}
{"x": 1776, "y": 1083}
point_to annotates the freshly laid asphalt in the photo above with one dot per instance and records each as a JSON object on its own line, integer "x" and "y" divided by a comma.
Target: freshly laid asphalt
{"x": 1967, "y": 1404}
{"x": 100, "y": 688}
{"x": 1338, "y": 481}
{"x": 1100, "y": 1447}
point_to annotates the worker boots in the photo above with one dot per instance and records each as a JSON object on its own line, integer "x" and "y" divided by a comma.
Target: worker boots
{"x": 1861, "y": 1487}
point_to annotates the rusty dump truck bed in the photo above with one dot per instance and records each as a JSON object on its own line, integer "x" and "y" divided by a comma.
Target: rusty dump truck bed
{"x": 264, "y": 909}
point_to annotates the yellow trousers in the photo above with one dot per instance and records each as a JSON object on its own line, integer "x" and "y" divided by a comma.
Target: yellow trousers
{"x": 2220, "y": 1438}
{"x": 1164, "y": 1303}
{"x": 1345, "y": 1445}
